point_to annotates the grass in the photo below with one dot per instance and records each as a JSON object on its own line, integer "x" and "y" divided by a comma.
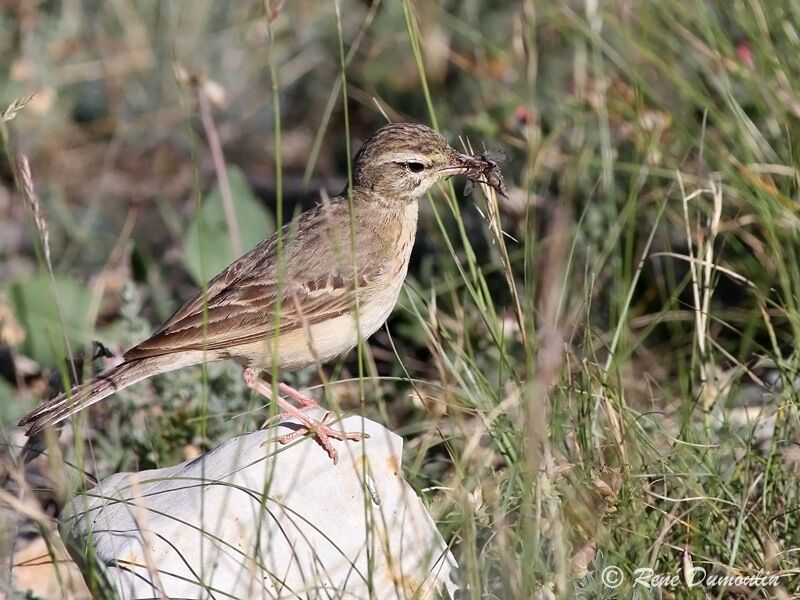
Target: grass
{"x": 581, "y": 384}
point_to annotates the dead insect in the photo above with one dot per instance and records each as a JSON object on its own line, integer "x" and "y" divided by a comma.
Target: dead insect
{"x": 487, "y": 171}
{"x": 468, "y": 187}
{"x": 495, "y": 155}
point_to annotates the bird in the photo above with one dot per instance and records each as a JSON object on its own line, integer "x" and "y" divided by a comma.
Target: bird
{"x": 306, "y": 294}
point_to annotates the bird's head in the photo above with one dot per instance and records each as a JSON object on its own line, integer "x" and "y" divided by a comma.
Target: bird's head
{"x": 401, "y": 162}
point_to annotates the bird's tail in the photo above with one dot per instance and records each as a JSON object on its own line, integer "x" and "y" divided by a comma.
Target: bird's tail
{"x": 106, "y": 383}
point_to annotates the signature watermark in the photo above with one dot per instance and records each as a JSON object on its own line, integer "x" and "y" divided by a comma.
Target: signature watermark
{"x": 613, "y": 577}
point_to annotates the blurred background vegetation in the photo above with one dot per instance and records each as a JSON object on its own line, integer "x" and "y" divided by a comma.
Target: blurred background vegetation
{"x": 635, "y": 407}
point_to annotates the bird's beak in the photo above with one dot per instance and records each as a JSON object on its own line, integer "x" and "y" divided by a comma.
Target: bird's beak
{"x": 460, "y": 164}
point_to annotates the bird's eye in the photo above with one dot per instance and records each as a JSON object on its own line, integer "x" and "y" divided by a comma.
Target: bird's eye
{"x": 415, "y": 167}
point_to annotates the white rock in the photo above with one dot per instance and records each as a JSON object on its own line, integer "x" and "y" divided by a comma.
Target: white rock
{"x": 201, "y": 529}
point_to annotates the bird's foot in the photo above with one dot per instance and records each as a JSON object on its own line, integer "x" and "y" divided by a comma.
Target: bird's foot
{"x": 323, "y": 432}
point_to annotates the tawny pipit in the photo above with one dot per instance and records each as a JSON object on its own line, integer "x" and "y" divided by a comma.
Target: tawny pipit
{"x": 302, "y": 300}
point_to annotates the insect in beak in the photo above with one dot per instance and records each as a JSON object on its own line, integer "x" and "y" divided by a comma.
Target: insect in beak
{"x": 461, "y": 164}
{"x": 479, "y": 168}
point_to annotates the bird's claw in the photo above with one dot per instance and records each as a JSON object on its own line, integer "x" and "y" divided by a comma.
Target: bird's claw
{"x": 324, "y": 434}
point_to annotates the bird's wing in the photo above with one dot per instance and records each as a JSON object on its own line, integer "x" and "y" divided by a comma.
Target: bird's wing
{"x": 250, "y": 300}
{"x": 255, "y": 310}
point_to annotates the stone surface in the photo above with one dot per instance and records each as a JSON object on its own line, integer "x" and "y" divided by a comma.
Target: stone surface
{"x": 256, "y": 519}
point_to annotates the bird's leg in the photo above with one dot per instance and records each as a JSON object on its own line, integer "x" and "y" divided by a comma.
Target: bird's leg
{"x": 305, "y": 402}
{"x": 323, "y": 431}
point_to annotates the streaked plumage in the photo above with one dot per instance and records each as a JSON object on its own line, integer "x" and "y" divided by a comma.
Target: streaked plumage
{"x": 294, "y": 296}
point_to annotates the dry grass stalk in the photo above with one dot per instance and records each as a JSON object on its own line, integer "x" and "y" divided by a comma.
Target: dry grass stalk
{"x": 25, "y": 183}
{"x": 17, "y": 105}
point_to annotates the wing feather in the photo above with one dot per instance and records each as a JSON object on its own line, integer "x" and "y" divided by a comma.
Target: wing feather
{"x": 241, "y": 303}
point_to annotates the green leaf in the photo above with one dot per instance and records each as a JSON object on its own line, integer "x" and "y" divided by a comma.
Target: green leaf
{"x": 207, "y": 247}
{"x": 34, "y": 306}
{"x": 11, "y": 408}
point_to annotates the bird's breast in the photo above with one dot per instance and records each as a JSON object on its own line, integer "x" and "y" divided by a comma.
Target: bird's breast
{"x": 323, "y": 341}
